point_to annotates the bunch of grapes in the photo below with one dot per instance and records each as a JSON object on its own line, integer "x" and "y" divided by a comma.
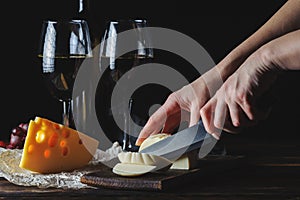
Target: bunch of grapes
{"x": 17, "y": 137}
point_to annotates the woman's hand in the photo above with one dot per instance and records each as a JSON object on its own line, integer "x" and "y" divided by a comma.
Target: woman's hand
{"x": 235, "y": 104}
{"x": 181, "y": 105}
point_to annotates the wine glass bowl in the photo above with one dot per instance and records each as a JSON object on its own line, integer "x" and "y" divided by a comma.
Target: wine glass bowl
{"x": 139, "y": 40}
{"x": 63, "y": 46}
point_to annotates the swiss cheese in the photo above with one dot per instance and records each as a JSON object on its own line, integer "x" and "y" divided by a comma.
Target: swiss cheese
{"x": 51, "y": 147}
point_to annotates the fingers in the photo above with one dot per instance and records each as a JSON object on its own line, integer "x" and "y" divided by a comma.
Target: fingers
{"x": 245, "y": 105}
{"x": 194, "y": 116}
{"x": 220, "y": 113}
{"x": 166, "y": 113}
{"x": 153, "y": 125}
{"x": 207, "y": 114}
{"x": 248, "y": 114}
{"x": 239, "y": 117}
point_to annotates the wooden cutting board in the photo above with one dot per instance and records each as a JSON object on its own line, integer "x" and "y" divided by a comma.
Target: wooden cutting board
{"x": 163, "y": 180}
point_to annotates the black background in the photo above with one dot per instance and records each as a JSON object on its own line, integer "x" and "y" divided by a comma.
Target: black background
{"x": 219, "y": 26}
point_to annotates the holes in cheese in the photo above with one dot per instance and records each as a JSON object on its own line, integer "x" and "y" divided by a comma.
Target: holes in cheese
{"x": 64, "y": 151}
{"x": 52, "y": 141}
{"x": 47, "y": 153}
{"x": 40, "y": 136}
{"x": 30, "y": 148}
{"x": 51, "y": 147}
{"x": 65, "y": 133}
{"x": 63, "y": 143}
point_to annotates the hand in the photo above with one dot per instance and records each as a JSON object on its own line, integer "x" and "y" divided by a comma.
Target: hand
{"x": 185, "y": 104}
{"x": 235, "y": 104}
{"x": 181, "y": 105}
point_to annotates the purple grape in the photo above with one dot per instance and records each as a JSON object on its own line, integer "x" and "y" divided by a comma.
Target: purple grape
{"x": 15, "y": 140}
{"x": 17, "y": 137}
{"x": 2, "y": 144}
{"x": 18, "y": 131}
{"x": 24, "y": 126}
{"x": 9, "y": 146}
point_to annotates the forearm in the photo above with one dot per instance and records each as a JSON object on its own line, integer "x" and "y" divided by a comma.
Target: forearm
{"x": 283, "y": 52}
{"x": 285, "y": 20}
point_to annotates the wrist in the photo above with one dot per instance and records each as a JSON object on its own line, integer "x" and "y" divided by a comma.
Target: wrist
{"x": 267, "y": 59}
{"x": 231, "y": 62}
{"x": 259, "y": 68}
{"x": 212, "y": 80}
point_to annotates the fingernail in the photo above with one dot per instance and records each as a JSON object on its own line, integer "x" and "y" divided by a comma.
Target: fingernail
{"x": 138, "y": 142}
{"x": 236, "y": 123}
{"x": 216, "y": 136}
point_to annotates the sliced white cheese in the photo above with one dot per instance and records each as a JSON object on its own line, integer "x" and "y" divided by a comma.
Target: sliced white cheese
{"x": 144, "y": 159}
{"x": 129, "y": 169}
{"x": 153, "y": 139}
{"x": 182, "y": 163}
{"x": 185, "y": 162}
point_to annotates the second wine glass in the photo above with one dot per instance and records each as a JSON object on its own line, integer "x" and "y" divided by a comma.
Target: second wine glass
{"x": 121, "y": 65}
{"x": 64, "y": 44}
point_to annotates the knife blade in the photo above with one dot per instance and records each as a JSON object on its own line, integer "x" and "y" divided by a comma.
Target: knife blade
{"x": 182, "y": 142}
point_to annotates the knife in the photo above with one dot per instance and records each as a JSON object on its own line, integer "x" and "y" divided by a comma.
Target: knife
{"x": 174, "y": 146}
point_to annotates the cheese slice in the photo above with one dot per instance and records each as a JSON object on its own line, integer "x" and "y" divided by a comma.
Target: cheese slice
{"x": 51, "y": 147}
{"x": 153, "y": 139}
{"x": 129, "y": 169}
{"x": 136, "y": 164}
{"x": 144, "y": 159}
{"x": 185, "y": 162}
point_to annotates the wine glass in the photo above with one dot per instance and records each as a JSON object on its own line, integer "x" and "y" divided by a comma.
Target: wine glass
{"x": 63, "y": 46}
{"x": 115, "y": 65}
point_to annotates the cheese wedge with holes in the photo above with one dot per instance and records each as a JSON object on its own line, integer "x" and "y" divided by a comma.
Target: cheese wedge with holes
{"x": 185, "y": 162}
{"x": 51, "y": 147}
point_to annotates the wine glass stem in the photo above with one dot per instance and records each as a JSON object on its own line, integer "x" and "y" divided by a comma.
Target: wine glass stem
{"x": 67, "y": 114}
{"x": 127, "y": 143}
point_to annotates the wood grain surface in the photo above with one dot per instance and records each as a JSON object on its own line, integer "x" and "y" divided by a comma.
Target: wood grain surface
{"x": 162, "y": 180}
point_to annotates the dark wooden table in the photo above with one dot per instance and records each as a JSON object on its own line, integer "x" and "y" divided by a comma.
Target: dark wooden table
{"x": 271, "y": 171}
